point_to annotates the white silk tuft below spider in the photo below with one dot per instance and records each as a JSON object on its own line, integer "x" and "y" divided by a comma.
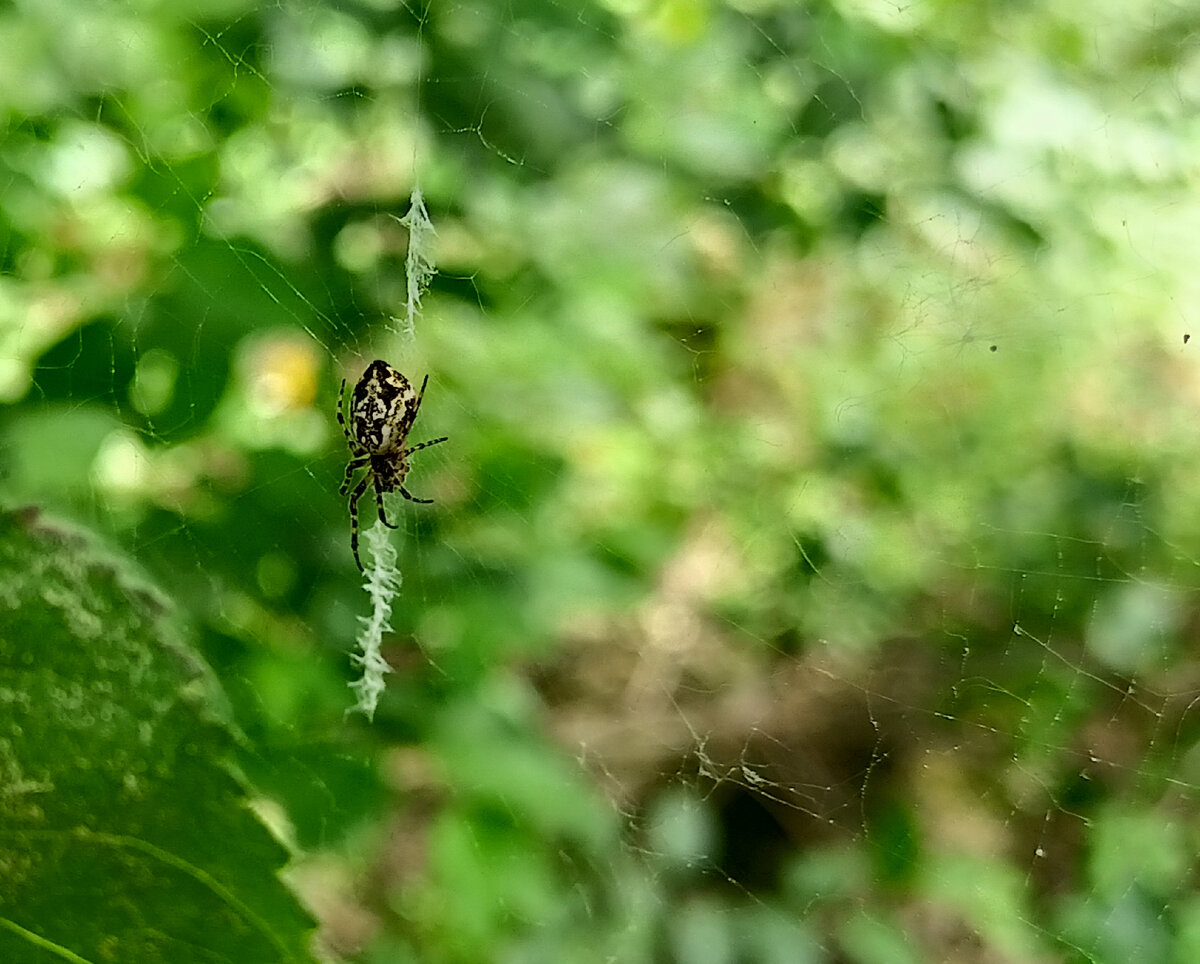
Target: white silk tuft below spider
{"x": 383, "y": 408}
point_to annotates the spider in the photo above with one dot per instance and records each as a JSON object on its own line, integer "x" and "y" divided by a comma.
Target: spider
{"x": 383, "y": 408}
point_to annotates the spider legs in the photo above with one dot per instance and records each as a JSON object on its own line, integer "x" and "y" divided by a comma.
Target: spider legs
{"x": 359, "y": 491}
{"x": 354, "y": 497}
{"x": 379, "y": 505}
{"x": 425, "y": 445}
{"x": 350, "y": 470}
{"x": 342, "y": 421}
{"x": 417, "y": 448}
{"x": 417, "y": 404}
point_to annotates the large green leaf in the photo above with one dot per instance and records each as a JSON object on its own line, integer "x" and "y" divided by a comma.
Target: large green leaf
{"x": 124, "y": 834}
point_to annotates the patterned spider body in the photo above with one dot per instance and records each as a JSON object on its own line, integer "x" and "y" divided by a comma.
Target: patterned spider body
{"x": 383, "y": 407}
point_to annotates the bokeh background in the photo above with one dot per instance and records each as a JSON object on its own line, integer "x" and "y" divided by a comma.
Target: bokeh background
{"x": 811, "y": 576}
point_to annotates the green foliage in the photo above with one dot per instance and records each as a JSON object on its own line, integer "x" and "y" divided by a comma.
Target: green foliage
{"x": 126, "y": 835}
{"x": 811, "y": 569}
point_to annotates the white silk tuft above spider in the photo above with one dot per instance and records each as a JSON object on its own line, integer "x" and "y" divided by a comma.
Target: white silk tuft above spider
{"x": 383, "y": 407}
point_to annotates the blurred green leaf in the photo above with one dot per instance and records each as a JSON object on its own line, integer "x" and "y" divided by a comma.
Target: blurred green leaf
{"x": 126, "y": 835}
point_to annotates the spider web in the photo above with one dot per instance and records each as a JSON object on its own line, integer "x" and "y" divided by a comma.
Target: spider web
{"x": 810, "y": 571}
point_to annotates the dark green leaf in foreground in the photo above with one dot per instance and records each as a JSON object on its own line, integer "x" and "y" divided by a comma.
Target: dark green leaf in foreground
{"x": 124, "y": 836}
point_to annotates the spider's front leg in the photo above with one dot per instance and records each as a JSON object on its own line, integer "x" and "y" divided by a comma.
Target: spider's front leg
{"x": 355, "y": 448}
{"x": 350, "y": 470}
{"x": 354, "y": 497}
{"x": 417, "y": 404}
{"x": 425, "y": 445}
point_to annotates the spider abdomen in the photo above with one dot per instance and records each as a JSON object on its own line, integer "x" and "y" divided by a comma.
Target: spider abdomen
{"x": 382, "y": 408}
